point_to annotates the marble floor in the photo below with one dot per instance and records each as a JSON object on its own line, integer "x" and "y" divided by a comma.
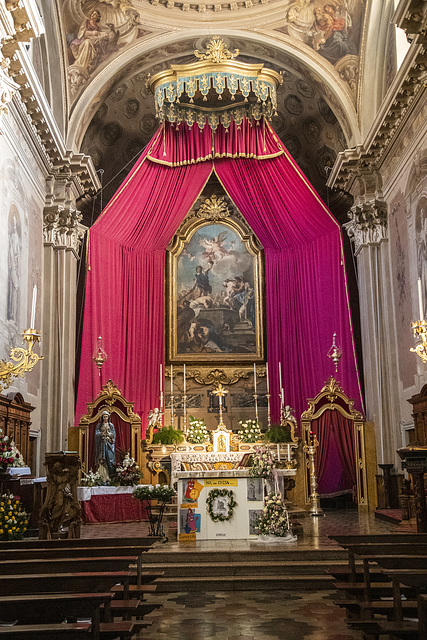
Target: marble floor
{"x": 252, "y": 615}
{"x": 247, "y": 615}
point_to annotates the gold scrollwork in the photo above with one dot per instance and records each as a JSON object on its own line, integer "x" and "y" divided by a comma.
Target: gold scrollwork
{"x": 23, "y": 360}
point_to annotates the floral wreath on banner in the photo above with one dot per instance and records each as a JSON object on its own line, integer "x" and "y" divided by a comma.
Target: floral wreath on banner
{"x": 220, "y": 493}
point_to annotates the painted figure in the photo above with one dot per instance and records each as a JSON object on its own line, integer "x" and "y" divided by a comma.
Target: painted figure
{"x": 13, "y": 260}
{"x": 105, "y": 438}
{"x": 92, "y": 42}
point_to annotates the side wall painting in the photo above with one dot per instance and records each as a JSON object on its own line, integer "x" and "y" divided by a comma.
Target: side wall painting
{"x": 14, "y": 257}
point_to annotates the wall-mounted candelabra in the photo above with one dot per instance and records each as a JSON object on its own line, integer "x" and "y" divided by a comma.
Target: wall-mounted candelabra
{"x": 420, "y": 331}
{"x": 22, "y": 360}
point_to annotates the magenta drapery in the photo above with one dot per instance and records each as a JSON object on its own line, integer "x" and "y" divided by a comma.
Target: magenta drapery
{"x": 306, "y": 294}
{"x": 335, "y": 458}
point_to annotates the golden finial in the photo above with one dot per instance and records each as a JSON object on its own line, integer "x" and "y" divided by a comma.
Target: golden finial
{"x": 216, "y": 51}
{"x": 213, "y": 208}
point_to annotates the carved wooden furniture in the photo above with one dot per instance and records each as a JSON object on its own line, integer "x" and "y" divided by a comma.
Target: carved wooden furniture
{"x": 61, "y": 508}
{"x": 414, "y": 460}
{"x": 419, "y": 408}
{"x": 126, "y": 422}
{"x": 333, "y": 398}
{"x": 15, "y": 421}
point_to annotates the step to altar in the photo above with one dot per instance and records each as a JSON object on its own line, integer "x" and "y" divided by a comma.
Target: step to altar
{"x": 264, "y": 569}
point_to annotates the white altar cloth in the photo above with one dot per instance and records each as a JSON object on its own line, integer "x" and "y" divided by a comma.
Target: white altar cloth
{"x": 19, "y": 471}
{"x": 85, "y": 493}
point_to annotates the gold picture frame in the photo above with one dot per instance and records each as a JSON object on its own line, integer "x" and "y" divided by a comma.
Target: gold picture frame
{"x": 215, "y": 277}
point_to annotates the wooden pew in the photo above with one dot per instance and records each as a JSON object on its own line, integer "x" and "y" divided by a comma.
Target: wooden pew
{"x": 71, "y": 631}
{"x": 52, "y": 608}
{"x": 65, "y": 565}
{"x": 96, "y": 581}
{"x": 79, "y": 542}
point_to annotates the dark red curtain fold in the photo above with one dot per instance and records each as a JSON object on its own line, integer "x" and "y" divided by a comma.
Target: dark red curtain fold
{"x": 306, "y": 294}
{"x": 335, "y": 457}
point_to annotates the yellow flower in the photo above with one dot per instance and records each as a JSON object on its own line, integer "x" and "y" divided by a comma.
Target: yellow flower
{"x": 1, "y": 531}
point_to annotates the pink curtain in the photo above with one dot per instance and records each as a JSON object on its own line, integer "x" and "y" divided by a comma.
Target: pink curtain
{"x": 306, "y": 294}
{"x": 335, "y": 458}
{"x": 125, "y": 281}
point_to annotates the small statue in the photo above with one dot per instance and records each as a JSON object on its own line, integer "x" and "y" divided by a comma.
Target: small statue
{"x": 105, "y": 438}
{"x": 154, "y": 422}
{"x": 288, "y": 415}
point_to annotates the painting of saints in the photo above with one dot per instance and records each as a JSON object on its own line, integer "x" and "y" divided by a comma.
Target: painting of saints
{"x": 215, "y": 296}
{"x": 421, "y": 239}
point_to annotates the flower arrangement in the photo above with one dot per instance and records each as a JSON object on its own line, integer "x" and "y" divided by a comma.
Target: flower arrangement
{"x": 7, "y": 455}
{"x": 17, "y": 455}
{"x": 197, "y": 433}
{"x": 274, "y": 520}
{"x": 229, "y": 503}
{"x": 262, "y": 463}
{"x": 250, "y": 430}
{"x": 13, "y": 518}
{"x": 126, "y": 473}
{"x": 160, "y": 492}
{"x": 168, "y": 435}
{"x": 91, "y": 479}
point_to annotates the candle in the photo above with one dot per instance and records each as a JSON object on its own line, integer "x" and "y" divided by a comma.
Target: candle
{"x": 254, "y": 378}
{"x": 266, "y": 375}
{"x": 185, "y": 385}
{"x": 33, "y": 308}
{"x": 420, "y": 299}
{"x": 280, "y": 376}
{"x": 278, "y": 453}
{"x": 171, "y": 379}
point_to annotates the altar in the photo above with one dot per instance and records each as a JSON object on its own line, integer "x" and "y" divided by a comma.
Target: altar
{"x": 220, "y": 504}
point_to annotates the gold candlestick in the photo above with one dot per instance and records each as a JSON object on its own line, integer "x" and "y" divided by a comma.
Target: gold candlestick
{"x": 310, "y": 448}
{"x": 268, "y": 410}
{"x": 23, "y": 360}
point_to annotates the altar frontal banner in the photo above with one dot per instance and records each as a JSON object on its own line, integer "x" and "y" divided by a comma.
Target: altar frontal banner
{"x": 221, "y": 482}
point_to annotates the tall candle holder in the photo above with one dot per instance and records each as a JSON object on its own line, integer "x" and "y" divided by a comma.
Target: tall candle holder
{"x": 23, "y": 360}
{"x": 310, "y": 448}
{"x": 184, "y": 400}
{"x": 267, "y": 395}
{"x": 172, "y": 411}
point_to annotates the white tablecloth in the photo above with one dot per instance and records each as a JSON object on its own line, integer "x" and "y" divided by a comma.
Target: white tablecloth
{"x": 85, "y": 493}
{"x": 19, "y": 471}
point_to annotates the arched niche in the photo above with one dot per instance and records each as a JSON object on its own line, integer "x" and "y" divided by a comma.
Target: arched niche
{"x": 332, "y": 413}
{"x": 126, "y": 423}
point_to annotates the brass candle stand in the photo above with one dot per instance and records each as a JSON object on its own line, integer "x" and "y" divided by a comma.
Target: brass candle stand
{"x": 22, "y": 360}
{"x": 268, "y": 396}
{"x": 420, "y": 330}
{"x": 310, "y": 448}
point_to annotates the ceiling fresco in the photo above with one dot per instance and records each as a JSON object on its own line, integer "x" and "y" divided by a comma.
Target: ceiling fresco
{"x": 95, "y": 31}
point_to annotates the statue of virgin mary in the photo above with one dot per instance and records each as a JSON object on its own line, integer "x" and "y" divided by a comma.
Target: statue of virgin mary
{"x": 105, "y": 438}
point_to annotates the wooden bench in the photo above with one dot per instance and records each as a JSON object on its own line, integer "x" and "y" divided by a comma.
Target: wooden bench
{"x": 65, "y": 565}
{"x": 79, "y": 542}
{"x": 71, "y": 631}
{"x": 96, "y": 581}
{"x": 52, "y": 608}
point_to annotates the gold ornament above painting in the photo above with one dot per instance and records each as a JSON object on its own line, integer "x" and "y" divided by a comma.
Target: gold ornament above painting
{"x": 215, "y": 288}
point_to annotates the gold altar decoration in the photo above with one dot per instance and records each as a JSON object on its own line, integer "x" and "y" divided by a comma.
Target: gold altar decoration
{"x": 215, "y": 88}
{"x": 420, "y": 331}
{"x": 227, "y": 375}
{"x": 214, "y": 208}
{"x": 99, "y": 356}
{"x": 310, "y": 449}
{"x": 22, "y": 360}
{"x": 220, "y": 392}
{"x": 110, "y": 399}
{"x": 335, "y": 352}
{"x": 333, "y": 398}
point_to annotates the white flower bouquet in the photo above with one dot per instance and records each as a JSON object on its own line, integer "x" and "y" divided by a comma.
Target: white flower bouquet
{"x": 274, "y": 520}
{"x": 262, "y": 463}
{"x": 197, "y": 433}
{"x": 250, "y": 431}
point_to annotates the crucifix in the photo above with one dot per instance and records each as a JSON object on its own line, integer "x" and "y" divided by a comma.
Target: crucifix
{"x": 220, "y": 392}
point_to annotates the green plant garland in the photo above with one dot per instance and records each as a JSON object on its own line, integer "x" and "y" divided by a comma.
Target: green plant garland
{"x": 220, "y": 493}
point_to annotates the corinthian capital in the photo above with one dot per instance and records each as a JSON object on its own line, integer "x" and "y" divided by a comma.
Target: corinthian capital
{"x": 62, "y": 228}
{"x": 368, "y": 224}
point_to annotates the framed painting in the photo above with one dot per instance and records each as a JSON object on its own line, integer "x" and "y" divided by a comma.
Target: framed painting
{"x": 215, "y": 300}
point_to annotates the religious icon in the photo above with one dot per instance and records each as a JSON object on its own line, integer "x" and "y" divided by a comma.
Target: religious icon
{"x": 215, "y": 294}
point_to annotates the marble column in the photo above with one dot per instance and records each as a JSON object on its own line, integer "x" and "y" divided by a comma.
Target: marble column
{"x": 368, "y": 230}
{"x": 63, "y": 234}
